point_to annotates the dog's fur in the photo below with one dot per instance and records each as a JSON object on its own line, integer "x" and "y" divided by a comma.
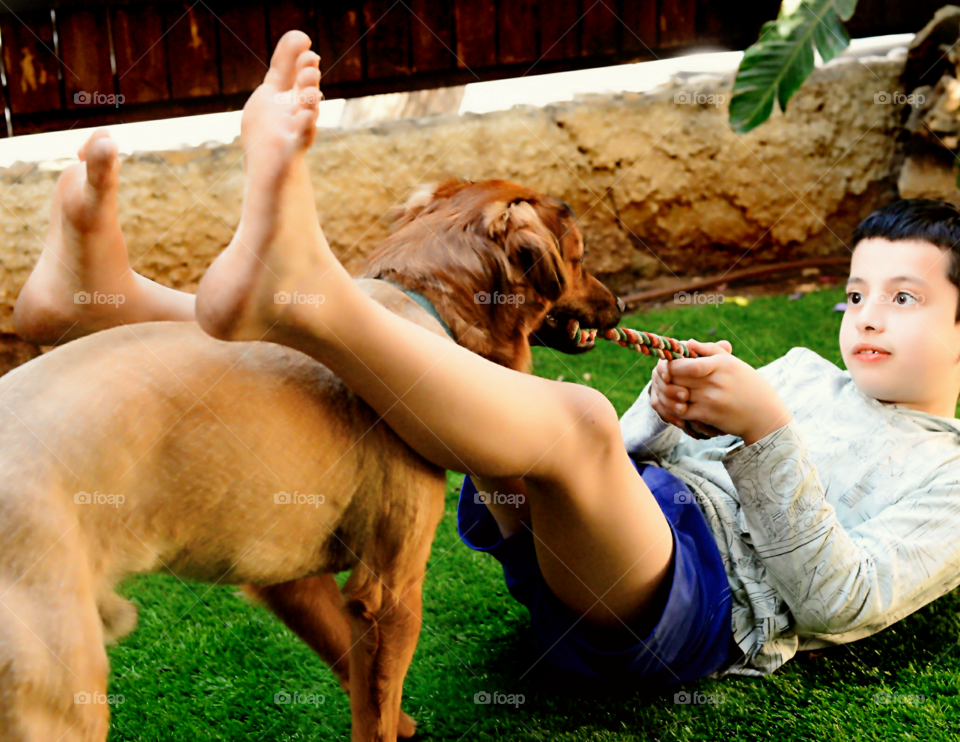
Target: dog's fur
{"x": 199, "y": 436}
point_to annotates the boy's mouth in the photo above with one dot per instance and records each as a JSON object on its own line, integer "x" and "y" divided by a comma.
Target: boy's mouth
{"x": 869, "y": 353}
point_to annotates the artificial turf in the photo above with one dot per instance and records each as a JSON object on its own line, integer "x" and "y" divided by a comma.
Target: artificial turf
{"x": 204, "y": 664}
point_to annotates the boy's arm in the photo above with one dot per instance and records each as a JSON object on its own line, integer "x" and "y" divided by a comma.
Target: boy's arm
{"x": 645, "y": 433}
{"x": 835, "y": 580}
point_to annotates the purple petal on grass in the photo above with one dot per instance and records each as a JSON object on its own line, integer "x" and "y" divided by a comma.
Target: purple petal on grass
{"x": 711, "y": 331}
{"x": 798, "y": 295}
{"x": 841, "y": 307}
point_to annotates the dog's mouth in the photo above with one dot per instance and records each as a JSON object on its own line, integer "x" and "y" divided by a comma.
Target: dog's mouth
{"x": 553, "y": 333}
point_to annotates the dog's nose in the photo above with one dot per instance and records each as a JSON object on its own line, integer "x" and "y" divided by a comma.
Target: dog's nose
{"x": 621, "y": 305}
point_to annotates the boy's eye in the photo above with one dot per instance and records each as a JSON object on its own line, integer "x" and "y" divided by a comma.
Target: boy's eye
{"x": 851, "y": 294}
{"x": 904, "y": 294}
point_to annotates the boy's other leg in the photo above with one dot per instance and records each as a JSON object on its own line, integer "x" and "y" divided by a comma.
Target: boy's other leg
{"x": 82, "y": 282}
{"x": 455, "y": 408}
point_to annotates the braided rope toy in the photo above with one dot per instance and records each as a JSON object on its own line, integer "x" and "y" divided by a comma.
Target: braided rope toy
{"x": 649, "y": 344}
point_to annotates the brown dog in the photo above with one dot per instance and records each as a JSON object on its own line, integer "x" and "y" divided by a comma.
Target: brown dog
{"x": 155, "y": 447}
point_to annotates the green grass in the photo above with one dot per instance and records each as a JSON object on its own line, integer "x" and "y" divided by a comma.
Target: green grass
{"x": 205, "y": 665}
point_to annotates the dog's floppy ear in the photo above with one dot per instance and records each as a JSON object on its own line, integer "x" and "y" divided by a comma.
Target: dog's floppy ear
{"x": 529, "y": 245}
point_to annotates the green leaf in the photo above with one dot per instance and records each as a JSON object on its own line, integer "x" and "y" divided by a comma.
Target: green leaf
{"x": 775, "y": 67}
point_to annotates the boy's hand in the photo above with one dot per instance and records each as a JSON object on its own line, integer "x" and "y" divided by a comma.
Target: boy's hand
{"x": 719, "y": 389}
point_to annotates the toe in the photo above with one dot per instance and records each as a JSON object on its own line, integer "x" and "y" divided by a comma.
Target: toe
{"x": 283, "y": 69}
{"x": 98, "y": 134}
{"x": 102, "y": 160}
{"x": 308, "y": 93}
{"x": 308, "y": 59}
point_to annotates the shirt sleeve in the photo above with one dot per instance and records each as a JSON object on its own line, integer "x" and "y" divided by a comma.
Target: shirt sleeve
{"x": 834, "y": 580}
{"x": 645, "y": 433}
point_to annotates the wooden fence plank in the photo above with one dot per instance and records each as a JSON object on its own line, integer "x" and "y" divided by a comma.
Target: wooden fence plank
{"x": 476, "y": 33}
{"x": 30, "y": 62}
{"x": 338, "y": 43}
{"x": 432, "y": 31}
{"x": 85, "y": 57}
{"x": 559, "y": 27}
{"x": 289, "y": 15}
{"x": 141, "y": 53}
{"x": 388, "y": 38}
{"x": 678, "y": 23}
{"x": 244, "y": 57}
{"x": 517, "y": 26}
{"x": 192, "y": 44}
{"x": 600, "y": 28}
{"x": 639, "y": 31}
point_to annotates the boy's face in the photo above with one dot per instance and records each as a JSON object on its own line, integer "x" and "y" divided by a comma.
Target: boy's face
{"x": 900, "y": 300}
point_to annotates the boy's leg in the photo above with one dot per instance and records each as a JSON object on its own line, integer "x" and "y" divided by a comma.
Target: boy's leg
{"x": 603, "y": 543}
{"x": 82, "y": 282}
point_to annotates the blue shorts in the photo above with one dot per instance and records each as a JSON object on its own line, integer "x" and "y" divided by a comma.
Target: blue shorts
{"x": 692, "y": 637}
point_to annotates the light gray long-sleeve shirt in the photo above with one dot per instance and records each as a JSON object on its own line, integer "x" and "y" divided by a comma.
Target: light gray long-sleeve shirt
{"x": 831, "y": 528}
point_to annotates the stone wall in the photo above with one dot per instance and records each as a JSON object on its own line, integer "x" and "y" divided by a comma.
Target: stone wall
{"x": 662, "y": 189}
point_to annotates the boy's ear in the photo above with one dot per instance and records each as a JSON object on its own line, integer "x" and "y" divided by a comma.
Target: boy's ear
{"x": 531, "y": 249}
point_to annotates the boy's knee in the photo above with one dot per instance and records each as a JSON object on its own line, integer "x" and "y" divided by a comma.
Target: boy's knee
{"x": 595, "y": 430}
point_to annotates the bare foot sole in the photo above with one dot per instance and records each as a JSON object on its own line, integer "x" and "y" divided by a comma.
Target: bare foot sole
{"x": 276, "y": 263}
{"x": 82, "y": 282}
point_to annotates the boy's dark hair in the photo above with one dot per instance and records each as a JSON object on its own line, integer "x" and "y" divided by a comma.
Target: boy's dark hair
{"x": 923, "y": 219}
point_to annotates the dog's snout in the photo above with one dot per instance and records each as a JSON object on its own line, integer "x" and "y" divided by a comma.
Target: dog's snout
{"x": 621, "y": 305}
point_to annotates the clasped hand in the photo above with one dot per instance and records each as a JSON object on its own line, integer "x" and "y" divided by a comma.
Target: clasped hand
{"x": 718, "y": 389}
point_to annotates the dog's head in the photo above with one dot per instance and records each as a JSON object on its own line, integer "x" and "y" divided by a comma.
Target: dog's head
{"x": 502, "y": 264}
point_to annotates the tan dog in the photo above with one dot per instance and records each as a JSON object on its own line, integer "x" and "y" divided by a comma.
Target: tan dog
{"x": 154, "y": 446}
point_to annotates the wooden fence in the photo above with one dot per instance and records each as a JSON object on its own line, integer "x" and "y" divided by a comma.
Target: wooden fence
{"x": 87, "y": 63}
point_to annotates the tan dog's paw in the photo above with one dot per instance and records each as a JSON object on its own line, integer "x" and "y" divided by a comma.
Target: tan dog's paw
{"x": 119, "y": 617}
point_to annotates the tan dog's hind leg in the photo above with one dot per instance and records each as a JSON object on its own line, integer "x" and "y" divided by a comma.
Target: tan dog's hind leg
{"x": 53, "y": 666}
{"x": 313, "y": 609}
{"x": 385, "y": 624}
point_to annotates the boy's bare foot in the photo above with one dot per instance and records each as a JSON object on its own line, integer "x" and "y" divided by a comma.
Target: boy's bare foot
{"x": 278, "y": 261}
{"x": 82, "y": 279}
{"x": 82, "y": 282}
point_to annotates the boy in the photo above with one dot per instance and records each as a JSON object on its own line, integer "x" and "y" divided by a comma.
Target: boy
{"x": 622, "y": 573}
